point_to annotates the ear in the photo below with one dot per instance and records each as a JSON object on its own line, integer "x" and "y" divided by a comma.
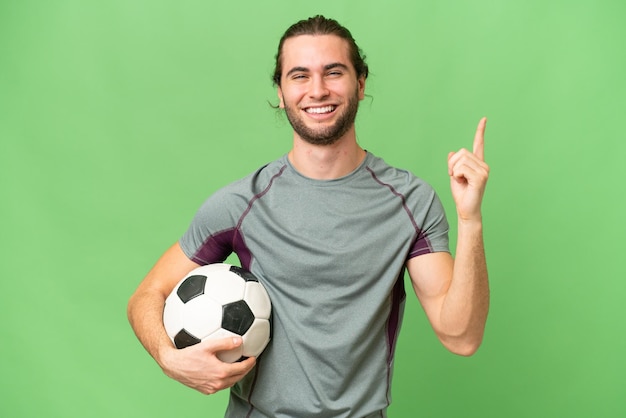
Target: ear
{"x": 281, "y": 104}
{"x": 361, "y": 87}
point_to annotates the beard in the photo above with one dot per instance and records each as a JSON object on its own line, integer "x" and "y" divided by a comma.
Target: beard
{"x": 324, "y": 135}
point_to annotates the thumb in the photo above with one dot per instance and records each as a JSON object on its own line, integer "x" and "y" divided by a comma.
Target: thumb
{"x": 221, "y": 344}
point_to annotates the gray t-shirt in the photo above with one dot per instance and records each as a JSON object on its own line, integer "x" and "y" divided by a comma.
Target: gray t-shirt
{"x": 331, "y": 254}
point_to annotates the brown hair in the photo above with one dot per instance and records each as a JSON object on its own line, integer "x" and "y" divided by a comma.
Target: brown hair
{"x": 320, "y": 25}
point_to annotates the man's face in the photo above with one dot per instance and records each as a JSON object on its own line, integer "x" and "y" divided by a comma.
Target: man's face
{"x": 319, "y": 89}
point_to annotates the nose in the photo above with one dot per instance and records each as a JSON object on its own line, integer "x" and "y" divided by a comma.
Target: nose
{"x": 318, "y": 88}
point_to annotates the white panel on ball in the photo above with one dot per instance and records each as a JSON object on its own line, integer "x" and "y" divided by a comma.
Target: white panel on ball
{"x": 254, "y": 341}
{"x": 224, "y": 287}
{"x": 202, "y": 316}
{"x": 257, "y": 299}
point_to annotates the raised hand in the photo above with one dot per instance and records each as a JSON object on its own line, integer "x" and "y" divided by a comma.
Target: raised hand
{"x": 468, "y": 176}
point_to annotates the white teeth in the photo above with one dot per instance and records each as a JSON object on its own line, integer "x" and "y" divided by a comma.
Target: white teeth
{"x": 325, "y": 109}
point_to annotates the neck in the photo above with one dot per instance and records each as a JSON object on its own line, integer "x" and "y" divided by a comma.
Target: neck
{"x": 326, "y": 162}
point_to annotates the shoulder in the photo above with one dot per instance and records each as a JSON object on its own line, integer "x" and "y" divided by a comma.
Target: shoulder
{"x": 417, "y": 195}
{"x": 232, "y": 199}
{"x": 400, "y": 179}
{"x": 255, "y": 182}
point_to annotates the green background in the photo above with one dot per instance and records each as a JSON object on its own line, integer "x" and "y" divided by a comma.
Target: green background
{"x": 119, "y": 117}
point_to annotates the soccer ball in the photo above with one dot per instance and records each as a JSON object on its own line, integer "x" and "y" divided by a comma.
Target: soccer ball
{"x": 219, "y": 301}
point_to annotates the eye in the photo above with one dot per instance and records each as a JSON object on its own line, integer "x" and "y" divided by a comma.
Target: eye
{"x": 298, "y": 76}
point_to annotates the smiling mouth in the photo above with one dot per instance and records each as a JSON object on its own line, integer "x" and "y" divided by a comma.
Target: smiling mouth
{"x": 320, "y": 110}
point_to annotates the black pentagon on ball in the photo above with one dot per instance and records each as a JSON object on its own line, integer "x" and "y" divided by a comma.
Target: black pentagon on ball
{"x": 237, "y": 317}
{"x": 184, "y": 339}
{"x": 191, "y": 287}
{"x": 244, "y": 274}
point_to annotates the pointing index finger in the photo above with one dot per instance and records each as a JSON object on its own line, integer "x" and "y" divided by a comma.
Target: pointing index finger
{"x": 479, "y": 139}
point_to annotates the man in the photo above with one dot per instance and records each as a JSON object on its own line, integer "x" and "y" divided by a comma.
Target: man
{"x": 330, "y": 230}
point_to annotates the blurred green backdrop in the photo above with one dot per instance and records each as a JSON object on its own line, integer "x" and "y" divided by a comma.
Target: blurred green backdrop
{"x": 118, "y": 118}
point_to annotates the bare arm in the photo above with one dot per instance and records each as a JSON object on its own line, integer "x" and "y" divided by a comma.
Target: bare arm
{"x": 455, "y": 292}
{"x": 196, "y": 366}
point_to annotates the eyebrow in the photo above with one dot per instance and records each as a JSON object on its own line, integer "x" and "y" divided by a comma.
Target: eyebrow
{"x": 326, "y": 68}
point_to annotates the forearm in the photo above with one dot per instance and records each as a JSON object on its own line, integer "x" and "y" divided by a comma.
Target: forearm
{"x": 145, "y": 307}
{"x": 145, "y": 314}
{"x": 465, "y": 307}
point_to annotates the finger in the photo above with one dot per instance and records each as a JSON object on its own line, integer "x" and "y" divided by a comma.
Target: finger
{"x": 479, "y": 139}
{"x": 243, "y": 367}
{"x": 221, "y": 344}
{"x": 462, "y": 156}
{"x": 463, "y": 163}
{"x": 236, "y": 371}
{"x": 450, "y": 162}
